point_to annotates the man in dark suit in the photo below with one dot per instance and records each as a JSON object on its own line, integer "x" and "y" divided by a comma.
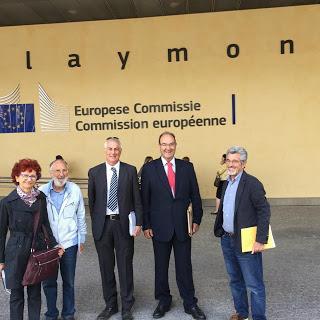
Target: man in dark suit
{"x": 169, "y": 185}
{"x": 243, "y": 204}
{"x": 113, "y": 193}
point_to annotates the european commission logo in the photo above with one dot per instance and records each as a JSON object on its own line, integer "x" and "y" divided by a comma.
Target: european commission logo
{"x": 16, "y": 117}
{"x": 53, "y": 116}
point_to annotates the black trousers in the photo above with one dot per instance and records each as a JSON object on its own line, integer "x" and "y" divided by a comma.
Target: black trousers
{"x": 182, "y": 256}
{"x": 17, "y": 302}
{"x": 114, "y": 245}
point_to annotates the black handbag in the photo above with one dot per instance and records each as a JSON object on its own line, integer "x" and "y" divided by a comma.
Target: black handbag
{"x": 41, "y": 264}
{"x": 217, "y": 181}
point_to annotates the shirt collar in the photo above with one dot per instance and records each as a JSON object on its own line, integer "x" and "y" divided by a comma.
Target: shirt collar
{"x": 164, "y": 161}
{"x": 236, "y": 179}
{"x": 117, "y": 166}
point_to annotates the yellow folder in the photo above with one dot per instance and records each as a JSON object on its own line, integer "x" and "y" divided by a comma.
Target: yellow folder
{"x": 248, "y": 238}
{"x": 190, "y": 219}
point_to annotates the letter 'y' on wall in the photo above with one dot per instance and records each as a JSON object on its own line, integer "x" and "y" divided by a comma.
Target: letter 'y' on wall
{"x": 123, "y": 59}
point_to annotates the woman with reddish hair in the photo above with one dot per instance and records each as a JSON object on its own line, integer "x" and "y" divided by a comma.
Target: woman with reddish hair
{"x": 17, "y": 212}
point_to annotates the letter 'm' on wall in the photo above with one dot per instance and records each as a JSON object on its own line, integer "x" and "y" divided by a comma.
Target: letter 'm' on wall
{"x": 177, "y": 52}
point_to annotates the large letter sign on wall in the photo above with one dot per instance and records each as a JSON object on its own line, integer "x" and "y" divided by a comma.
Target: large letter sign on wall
{"x": 247, "y": 78}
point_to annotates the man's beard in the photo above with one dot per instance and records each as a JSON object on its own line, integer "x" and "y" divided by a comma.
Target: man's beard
{"x": 231, "y": 172}
{"x": 60, "y": 182}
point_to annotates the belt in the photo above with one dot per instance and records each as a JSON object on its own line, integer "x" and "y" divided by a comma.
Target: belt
{"x": 229, "y": 234}
{"x": 112, "y": 217}
{"x": 21, "y": 233}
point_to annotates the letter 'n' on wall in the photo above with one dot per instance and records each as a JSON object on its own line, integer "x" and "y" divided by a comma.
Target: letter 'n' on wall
{"x": 286, "y": 44}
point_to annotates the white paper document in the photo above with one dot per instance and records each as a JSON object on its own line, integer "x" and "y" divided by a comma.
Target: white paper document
{"x": 132, "y": 222}
{"x": 3, "y": 276}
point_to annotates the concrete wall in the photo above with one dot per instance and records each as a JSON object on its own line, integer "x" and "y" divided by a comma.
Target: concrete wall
{"x": 246, "y": 85}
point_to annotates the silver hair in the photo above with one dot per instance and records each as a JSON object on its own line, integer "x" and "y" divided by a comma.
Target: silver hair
{"x": 240, "y": 150}
{"x": 114, "y": 139}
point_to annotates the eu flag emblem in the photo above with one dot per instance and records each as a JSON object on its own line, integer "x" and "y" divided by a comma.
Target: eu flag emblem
{"x": 16, "y": 118}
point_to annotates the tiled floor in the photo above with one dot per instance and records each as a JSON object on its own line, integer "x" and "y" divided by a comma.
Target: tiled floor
{"x": 292, "y": 273}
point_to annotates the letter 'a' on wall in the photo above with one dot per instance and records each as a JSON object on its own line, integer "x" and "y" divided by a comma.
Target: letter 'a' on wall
{"x": 247, "y": 78}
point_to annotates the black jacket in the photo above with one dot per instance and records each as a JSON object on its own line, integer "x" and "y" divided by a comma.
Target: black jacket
{"x": 18, "y": 217}
{"x": 251, "y": 209}
{"x": 128, "y": 197}
{"x": 163, "y": 213}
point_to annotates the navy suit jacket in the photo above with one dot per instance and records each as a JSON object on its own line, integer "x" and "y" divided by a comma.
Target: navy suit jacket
{"x": 128, "y": 197}
{"x": 251, "y": 209}
{"x": 163, "y": 213}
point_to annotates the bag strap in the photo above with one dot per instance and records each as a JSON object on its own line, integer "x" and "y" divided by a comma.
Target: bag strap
{"x": 46, "y": 235}
{"x": 35, "y": 227}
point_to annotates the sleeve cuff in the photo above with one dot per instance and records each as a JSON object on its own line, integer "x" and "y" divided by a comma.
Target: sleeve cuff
{"x": 82, "y": 238}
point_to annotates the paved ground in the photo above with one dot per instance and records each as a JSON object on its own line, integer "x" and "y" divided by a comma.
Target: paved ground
{"x": 292, "y": 273}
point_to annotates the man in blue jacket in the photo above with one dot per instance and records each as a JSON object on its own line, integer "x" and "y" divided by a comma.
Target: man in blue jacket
{"x": 66, "y": 213}
{"x": 243, "y": 204}
{"x": 168, "y": 186}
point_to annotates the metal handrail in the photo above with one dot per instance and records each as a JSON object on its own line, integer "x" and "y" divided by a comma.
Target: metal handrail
{"x": 6, "y": 182}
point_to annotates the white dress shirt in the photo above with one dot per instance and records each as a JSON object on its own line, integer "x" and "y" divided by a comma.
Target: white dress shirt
{"x": 109, "y": 174}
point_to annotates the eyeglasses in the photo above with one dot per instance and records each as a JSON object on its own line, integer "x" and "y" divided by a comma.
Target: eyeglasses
{"x": 172, "y": 144}
{"x": 26, "y": 177}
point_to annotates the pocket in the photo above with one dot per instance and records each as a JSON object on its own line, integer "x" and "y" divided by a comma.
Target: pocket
{"x": 69, "y": 210}
{"x": 23, "y": 221}
{"x": 12, "y": 241}
{"x": 11, "y": 249}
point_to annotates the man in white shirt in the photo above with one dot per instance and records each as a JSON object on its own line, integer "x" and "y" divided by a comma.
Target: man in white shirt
{"x": 113, "y": 193}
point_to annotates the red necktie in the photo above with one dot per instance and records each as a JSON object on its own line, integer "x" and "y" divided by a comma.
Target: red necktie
{"x": 171, "y": 177}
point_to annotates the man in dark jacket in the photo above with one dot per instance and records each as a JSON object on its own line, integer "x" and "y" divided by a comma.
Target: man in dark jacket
{"x": 168, "y": 186}
{"x": 113, "y": 193}
{"x": 243, "y": 204}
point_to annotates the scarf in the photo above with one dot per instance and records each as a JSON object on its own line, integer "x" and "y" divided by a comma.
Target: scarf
{"x": 28, "y": 198}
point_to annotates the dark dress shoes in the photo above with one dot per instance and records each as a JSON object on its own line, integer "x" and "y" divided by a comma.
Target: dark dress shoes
{"x": 107, "y": 313}
{"x": 196, "y": 313}
{"x": 127, "y": 315}
{"x": 160, "y": 311}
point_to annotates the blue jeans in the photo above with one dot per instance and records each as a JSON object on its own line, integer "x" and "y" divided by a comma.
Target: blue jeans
{"x": 245, "y": 272}
{"x": 67, "y": 270}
